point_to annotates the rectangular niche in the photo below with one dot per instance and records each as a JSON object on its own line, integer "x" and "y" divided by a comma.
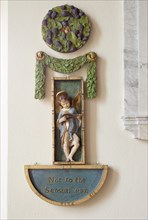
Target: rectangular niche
{"x": 75, "y": 89}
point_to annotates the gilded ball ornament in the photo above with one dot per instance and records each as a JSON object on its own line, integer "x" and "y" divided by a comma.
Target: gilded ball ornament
{"x": 40, "y": 56}
{"x": 91, "y": 56}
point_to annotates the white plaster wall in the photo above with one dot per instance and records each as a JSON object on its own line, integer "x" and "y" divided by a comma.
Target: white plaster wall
{"x": 124, "y": 195}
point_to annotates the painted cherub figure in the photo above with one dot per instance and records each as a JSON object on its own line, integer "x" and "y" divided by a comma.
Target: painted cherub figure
{"x": 68, "y": 123}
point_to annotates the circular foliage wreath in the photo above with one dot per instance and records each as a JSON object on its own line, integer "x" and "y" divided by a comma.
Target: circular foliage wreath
{"x": 65, "y": 28}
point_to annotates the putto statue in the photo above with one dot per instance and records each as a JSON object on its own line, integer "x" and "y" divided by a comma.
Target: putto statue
{"x": 68, "y": 122}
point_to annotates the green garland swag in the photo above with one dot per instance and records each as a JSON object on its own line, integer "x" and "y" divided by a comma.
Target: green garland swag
{"x": 65, "y": 66}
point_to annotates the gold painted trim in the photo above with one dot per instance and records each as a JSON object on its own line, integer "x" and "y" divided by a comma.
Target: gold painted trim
{"x": 53, "y": 115}
{"x": 40, "y": 56}
{"x": 83, "y": 123}
{"x": 91, "y": 56}
{"x": 52, "y": 167}
{"x": 68, "y": 163}
{"x": 104, "y": 167}
{"x": 67, "y": 78}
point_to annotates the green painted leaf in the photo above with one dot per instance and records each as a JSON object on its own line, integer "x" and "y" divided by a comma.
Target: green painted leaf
{"x": 72, "y": 37}
{"x": 57, "y": 9}
{"x": 58, "y": 25}
{"x": 84, "y": 20}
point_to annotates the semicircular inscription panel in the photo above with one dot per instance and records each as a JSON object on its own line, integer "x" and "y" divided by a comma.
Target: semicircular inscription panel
{"x": 66, "y": 186}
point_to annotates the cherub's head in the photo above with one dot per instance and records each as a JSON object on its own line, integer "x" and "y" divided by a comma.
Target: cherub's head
{"x": 63, "y": 99}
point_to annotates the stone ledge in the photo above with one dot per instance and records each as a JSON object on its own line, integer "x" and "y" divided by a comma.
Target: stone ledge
{"x": 137, "y": 125}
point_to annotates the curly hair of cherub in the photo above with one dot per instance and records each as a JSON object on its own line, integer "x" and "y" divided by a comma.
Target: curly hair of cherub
{"x": 62, "y": 96}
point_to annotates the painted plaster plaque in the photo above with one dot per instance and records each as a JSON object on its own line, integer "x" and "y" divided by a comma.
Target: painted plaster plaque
{"x": 69, "y": 181}
{"x": 65, "y": 28}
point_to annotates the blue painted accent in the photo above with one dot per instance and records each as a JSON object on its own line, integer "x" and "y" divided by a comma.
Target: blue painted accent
{"x": 65, "y": 185}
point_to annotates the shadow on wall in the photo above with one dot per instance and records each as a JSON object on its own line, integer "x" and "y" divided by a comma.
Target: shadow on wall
{"x": 92, "y": 114}
{"x": 107, "y": 189}
{"x": 94, "y": 38}
{"x": 101, "y": 79}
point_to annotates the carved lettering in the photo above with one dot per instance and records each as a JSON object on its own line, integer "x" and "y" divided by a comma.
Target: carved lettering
{"x": 70, "y": 180}
{"x": 80, "y": 180}
{"x": 81, "y": 190}
{"x": 57, "y": 190}
{"x": 65, "y": 190}
{"x": 54, "y": 180}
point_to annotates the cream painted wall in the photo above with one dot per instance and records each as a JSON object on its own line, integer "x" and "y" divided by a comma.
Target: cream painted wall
{"x": 124, "y": 195}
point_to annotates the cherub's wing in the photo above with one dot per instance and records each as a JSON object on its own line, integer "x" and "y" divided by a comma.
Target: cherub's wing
{"x": 57, "y": 107}
{"x": 76, "y": 101}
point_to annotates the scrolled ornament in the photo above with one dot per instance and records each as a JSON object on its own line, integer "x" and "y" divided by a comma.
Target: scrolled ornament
{"x": 40, "y": 56}
{"x": 91, "y": 56}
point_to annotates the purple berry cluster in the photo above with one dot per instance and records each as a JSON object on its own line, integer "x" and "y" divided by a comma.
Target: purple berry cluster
{"x": 65, "y": 28}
